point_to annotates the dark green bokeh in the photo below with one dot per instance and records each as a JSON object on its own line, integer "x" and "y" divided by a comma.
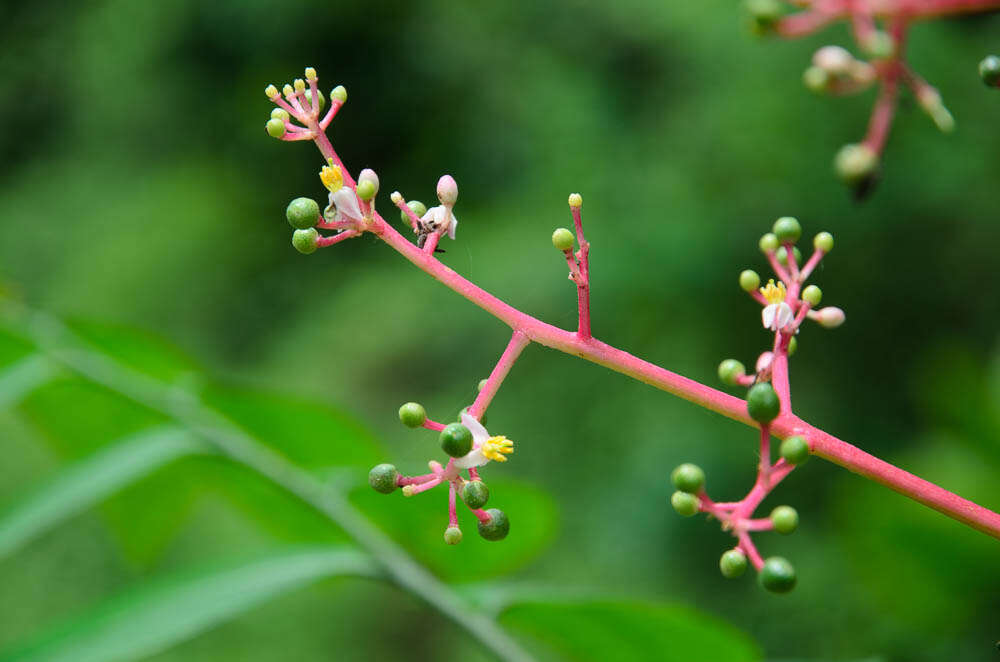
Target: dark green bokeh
{"x": 141, "y": 188}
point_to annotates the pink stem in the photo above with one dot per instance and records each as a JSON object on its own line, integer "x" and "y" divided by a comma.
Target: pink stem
{"x": 574, "y": 268}
{"x": 415, "y": 480}
{"x": 751, "y": 551}
{"x": 583, "y": 284}
{"x": 410, "y": 214}
{"x": 885, "y": 105}
{"x": 473, "y": 473}
{"x": 314, "y": 92}
{"x": 433, "y": 425}
{"x": 779, "y": 372}
{"x": 810, "y": 265}
{"x": 762, "y": 524}
{"x": 793, "y": 267}
{"x": 764, "y": 469}
{"x": 803, "y": 23}
{"x": 518, "y": 341}
{"x": 452, "y": 512}
{"x": 591, "y": 349}
{"x": 758, "y": 297}
{"x": 779, "y": 270}
{"x": 426, "y": 485}
{"x": 292, "y": 136}
{"x": 481, "y": 514}
{"x": 431, "y": 243}
{"x": 330, "y": 114}
{"x": 322, "y": 242}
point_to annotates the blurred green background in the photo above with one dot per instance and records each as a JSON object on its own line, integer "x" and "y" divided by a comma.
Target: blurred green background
{"x": 139, "y": 191}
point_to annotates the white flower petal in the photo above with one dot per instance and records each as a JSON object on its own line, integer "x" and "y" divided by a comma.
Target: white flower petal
{"x": 479, "y": 434}
{"x": 784, "y": 316}
{"x": 473, "y": 458}
{"x": 452, "y": 226}
{"x": 768, "y": 314}
{"x": 347, "y": 203}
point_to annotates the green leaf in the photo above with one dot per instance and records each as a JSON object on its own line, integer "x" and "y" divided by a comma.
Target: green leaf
{"x": 141, "y": 350}
{"x": 598, "y": 630}
{"x": 164, "y": 612}
{"x": 81, "y": 485}
{"x": 24, "y": 376}
{"x": 418, "y": 523}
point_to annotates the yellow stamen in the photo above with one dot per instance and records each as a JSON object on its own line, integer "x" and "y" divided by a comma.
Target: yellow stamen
{"x": 774, "y": 293}
{"x": 331, "y": 177}
{"x": 496, "y": 448}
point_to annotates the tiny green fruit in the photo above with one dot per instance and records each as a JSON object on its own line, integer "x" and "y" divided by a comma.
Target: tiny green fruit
{"x": 475, "y": 494}
{"x": 366, "y": 190}
{"x": 762, "y": 403}
{"x": 685, "y": 504}
{"x": 733, "y": 564}
{"x": 275, "y": 127}
{"x": 782, "y": 255}
{"x": 787, "y": 229}
{"x": 456, "y": 439}
{"x": 383, "y": 477}
{"x": 730, "y": 371}
{"x": 280, "y": 114}
{"x": 813, "y": 295}
{"x": 304, "y": 241}
{"x": 823, "y": 242}
{"x": 989, "y": 70}
{"x": 768, "y": 242}
{"x": 749, "y": 280}
{"x": 412, "y": 415}
{"x": 785, "y": 519}
{"x": 795, "y": 450}
{"x": 453, "y": 535}
{"x": 322, "y": 99}
{"x": 688, "y": 478}
{"x": 562, "y": 239}
{"x": 777, "y": 575}
{"x": 417, "y": 207}
{"x": 302, "y": 213}
{"x": 496, "y": 527}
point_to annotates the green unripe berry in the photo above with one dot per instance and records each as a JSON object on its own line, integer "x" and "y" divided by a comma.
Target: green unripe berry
{"x": 275, "y": 128}
{"x": 782, "y": 255}
{"x": 366, "y": 190}
{"x": 816, "y": 79}
{"x": 767, "y": 243}
{"x": 785, "y": 519}
{"x": 730, "y": 371}
{"x": 749, "y": 280}
{"x": 855, "y": 163}
{"x": 795, "y": 450}
{"x": 339, "y": 93}
{"x": 685, "y": 504}
{"x": 989, "y": 70}
{"x": 302, "y": 213}
{"x": 496, "y": 527}
{"x": 416, "y": 207}
{"x": 475, "y": 494}
{"x": 793, "y": 344}
{"x": 456, "y": 439}
{"x": 688, "y": 478}
{"x": 562, "y": 239}
{"x": 412, "y": 415}
{"x": 813, "y": 295}
{"x": 383, "y": 477}
{"x": 878, "y": 44}
{"x": 465, "y": 410}
{"x": 322, "y": 99}
{"x": 777, "y": 575}
{"x": 733, "y": 564}
{"x": 453, "y": 535}
{"x": 304, "y": 241}
{"x": 764, "y": 13}
{"x": 481, "y": 385}
{"x": 762, "y": 403}
{"x": 280, "y": 114}
{"x": 823, "y": 242}
{"x": 787, "y": 229}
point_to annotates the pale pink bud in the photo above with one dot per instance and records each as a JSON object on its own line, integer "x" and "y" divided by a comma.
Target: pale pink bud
{"x": 447, "y": 190}
{"x": 830, "y": 317}
{"x": 764, "y": 361}
{"x": 834, "y": 60}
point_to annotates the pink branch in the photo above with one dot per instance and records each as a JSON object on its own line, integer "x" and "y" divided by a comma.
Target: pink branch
{"x": 583, "y": 284}
{"x": 452, "y": 512}
{"x": 803, "y": 23}
{"x": 322, "y": 242}
{"x": 779, "y": 270}
{"x": 810, "y": 265}
{"x": 433, "y": 425}
{"x": 518, "y": 341}
{"x": 751, "y": 551}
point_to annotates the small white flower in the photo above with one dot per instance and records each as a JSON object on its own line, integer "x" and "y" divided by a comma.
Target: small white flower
{"x": 440, "y": 217}
{"x": 484, "y": 447}
{"x": 344, "y": 206}
{"x": 776, "y": 314}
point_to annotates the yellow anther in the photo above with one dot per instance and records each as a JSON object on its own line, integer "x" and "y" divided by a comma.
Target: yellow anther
{"x": 331, "y": 177}
{"x": 300, "y": 85}
{"x": 287, "y": 91}
{"x": 271, "y": 91}
{"x": 496, "y": 448}
{"x": 774, "y": 293}
{"x": 310, "y": 74}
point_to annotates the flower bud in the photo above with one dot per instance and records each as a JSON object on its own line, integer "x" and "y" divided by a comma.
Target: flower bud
{"x": 989, "y": 70}
{"x": 785, "y": 519}
{"x": 575, "y": 200}
{"x": 878, "y": 44}
{"x": 310, "y": 74}
{"x": 475, "y": 494}
{"x": 275, "y": 128}
{"x": 730, "y": 371}
{"x": 447, "y": 190}
{"x": 812, "y": 294}
{"x": 562, "y": 239}
{"x": 453, "y": 535}
{"x": 299, "y": 85}
{"x": 816, "y": 79}
{"x": 287, "y": 91}
{"x": 762, "y": 403}
{"x": 834, "y": 60}
{"x": 456, "y": 439}
{"x": 767, "y": 243}
{"x": 481, "y": 385}
{"x": 304, "y": 241}
{"x": 795, "y": 450}
{"x": 764, "y": 361}
{"x": 412, "y": 415}
{"x": 787, "y": 229}
{"x": 271, "y": 91}
{"x": 685, "y": 504}
{"x": 367, "y": 184}
{"x": 830, "y": 317}
{"x": 339, "y": 93}
{"x": 688, "y": 478}
{"x": 416, "y": 207}
{"x": 823, "y": 242}
{"x": 383, "y": 477}
{"x": 496, "y": 527}
{"x": 777, "y": 575}
{"x": 302, "y": 213}
{"x": 749, "y": 280}
{"x": 280, "y": 114}
{"x": 733, "y": 564}
{"x": 930, "y": 100}
{"x": 855, "y": 163}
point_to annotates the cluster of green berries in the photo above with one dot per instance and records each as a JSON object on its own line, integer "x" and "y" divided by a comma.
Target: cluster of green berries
{"x": 303, "y": 215}
{"x": 777, "y": 575}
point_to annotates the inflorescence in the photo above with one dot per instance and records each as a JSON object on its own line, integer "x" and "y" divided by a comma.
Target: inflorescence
{"x": 879, "y": 30}
{"x": 786, "y": 303}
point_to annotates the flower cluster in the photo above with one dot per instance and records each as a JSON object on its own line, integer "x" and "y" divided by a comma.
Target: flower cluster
{"x": 879, "y": 30}
{"x": 786, "y": 303}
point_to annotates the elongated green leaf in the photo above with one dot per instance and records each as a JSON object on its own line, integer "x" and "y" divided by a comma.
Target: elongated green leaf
{"x": 24, "y": 376}
{"x": 595, "y": 630}
{"x": 85, "y": 483}
{"x": 165, "y": 612}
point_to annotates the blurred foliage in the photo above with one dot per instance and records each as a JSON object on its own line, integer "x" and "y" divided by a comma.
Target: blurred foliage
{"x": 143, "y": 191}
